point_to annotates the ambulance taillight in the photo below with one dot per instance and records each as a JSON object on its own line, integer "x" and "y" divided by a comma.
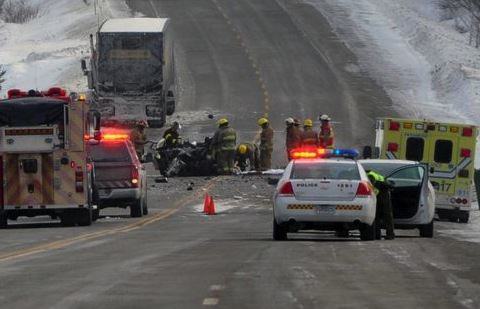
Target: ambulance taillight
{"x": 465, "y": 153}
{"x": 393, "y": 147}
{"x": 467, "y": 132}
{"x": 394, "y": 126}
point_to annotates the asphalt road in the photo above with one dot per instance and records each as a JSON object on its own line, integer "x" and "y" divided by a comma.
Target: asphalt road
{"x": 241, "y": 58}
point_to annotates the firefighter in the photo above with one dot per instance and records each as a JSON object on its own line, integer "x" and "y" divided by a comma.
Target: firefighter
{"x": 171, "y": 135}
{"x": 326, "y": 136}
{"x": 266, "y": 144}
{"x": 247, "y": 151}
{"x": 224, "y": 144}
{"x": 138, "y": 137}
{"x": 309, "y": 136}
{"x": 293, "y": 136}
{"x": 384, "y": 212}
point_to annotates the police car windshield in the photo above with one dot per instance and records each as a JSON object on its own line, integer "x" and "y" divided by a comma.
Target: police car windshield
{"x": 109, "y": 152}
{"x": 325, "y": 170}
{"x": 384, "y": 169}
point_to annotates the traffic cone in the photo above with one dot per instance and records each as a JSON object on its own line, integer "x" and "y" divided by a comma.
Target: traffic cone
{"x": 206, "y": 203}
{"x": 211, "y": 207}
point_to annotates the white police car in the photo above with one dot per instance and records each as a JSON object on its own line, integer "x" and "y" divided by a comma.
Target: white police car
{"x": 413, "y": 196}
{"x": 321, "y": 190}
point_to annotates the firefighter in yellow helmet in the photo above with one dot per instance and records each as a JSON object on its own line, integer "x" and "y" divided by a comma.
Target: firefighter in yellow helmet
{"x": 266, "y": 144}
{"x": 224, "y": 144}
{"x": 309, "y": 136}
{"x": 138, "y": 136}
{"x": 247, "y": 154}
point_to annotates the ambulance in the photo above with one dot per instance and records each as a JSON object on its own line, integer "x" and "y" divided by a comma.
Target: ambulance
{"x": 447, "y": 148}
{"x": 43, "y": 159}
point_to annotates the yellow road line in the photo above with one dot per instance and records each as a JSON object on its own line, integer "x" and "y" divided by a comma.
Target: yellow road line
{"x": 59, "y": 244}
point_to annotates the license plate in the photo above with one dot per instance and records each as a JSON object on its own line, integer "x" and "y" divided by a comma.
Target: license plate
{"x": 325, "y": 209}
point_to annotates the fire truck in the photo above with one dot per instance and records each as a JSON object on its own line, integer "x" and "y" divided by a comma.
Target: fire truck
{"x": 43, "y": 159}
{"x": 448, "y": 149}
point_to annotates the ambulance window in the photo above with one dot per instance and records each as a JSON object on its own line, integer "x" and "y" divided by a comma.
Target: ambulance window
{"x": 443, "y": 151}
{"x": 415, "y": 146}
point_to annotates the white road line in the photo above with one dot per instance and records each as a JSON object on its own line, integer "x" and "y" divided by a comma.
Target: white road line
{"x": 217, "y": 287}
{"x": 210, "y": 301}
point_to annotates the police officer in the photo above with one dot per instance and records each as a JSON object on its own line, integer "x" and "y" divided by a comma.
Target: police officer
{"x": 138, "y": 137}
{"x": 384, "y": 212}
{"x": 293, "y": 136}
{"x": 224, "y": 144}
{"x": 247, "y": 151}
{"x": 309, "y": 136}
{"x": 171, "y": 135}
{"x": 326, "y": 135}
{"x": 266, "y": 144}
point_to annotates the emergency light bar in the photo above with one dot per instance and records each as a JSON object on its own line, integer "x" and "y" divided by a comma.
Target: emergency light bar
{"x": 319, "y": 153}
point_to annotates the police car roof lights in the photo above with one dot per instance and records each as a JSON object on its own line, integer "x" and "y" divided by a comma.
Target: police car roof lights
{"x": 319, "y": 153}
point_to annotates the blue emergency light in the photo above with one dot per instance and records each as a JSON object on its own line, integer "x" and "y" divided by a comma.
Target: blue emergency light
{"x": 344, "y": 153}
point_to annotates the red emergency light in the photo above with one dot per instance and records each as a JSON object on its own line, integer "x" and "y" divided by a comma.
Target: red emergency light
{"x": 114, "y": 134}
{"x": 307, "y": 153}
{"x": 16, "y": 93}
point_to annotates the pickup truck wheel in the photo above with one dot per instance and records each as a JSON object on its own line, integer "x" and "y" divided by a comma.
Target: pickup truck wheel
{"x": 136, "y": 209}
{"x": 426, "y": 230}
{"x": 367, "y": 232}
{"x": 279, "y": 231}
{"x": 3, "y": 220}
{"x": 85, "y": 217}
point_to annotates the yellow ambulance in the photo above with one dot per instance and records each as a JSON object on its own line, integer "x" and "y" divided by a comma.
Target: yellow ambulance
{"x": 448, "y": 149}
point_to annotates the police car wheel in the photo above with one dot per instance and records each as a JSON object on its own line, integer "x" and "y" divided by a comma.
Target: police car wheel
{"x": 144, "y": 205}
{"x": 464, "y": 216}
{"x": 279, "y": 231}
{"x": 426, "y": 230}
{"x": 367, "y": 232}
{"x": 136, "y": 209}
{"x": 3, "y": 220}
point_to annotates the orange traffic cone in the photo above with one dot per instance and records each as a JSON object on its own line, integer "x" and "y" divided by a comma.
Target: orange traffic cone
{"x": 211, "y": 207}
{"x": 206, "y": 203}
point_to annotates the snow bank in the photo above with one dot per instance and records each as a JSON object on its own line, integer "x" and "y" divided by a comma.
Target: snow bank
{"x": 426, "y": 66}
{"x": 47, "y": 50}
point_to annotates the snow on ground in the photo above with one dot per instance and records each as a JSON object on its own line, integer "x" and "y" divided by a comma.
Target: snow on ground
{"x": 47, "y": 50}
{"x": 225, "y": 205}
{"x": 426, "y": 66}
{"x": 464, "y": 232}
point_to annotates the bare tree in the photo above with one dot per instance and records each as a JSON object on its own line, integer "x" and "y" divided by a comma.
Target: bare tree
{"x": 471, "y": 8}
{"x": 18, "y": 11}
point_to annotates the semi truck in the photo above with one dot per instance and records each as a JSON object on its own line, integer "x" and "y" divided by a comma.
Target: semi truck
{"x": 131, "y": 72}
{"x": 43, "y": 156}
{"x": 449, "y": 149}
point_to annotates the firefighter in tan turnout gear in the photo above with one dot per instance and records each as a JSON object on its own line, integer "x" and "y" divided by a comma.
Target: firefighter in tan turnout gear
{"x": 223, "y": 147}
{"x": 266, "y": 144}
{"x": 139, "y": 137}
{"x": 293, "y": 136}
{"x": 309, "y": 136}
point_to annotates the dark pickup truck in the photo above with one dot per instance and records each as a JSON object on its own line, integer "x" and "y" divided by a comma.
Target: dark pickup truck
{"x": 119, "y": 179}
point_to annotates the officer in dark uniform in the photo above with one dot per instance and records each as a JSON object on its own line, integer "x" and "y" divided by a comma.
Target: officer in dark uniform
{"x": 384, "y": 214}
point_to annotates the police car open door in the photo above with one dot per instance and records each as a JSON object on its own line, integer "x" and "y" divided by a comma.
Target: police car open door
{"x": 410, "y": 188}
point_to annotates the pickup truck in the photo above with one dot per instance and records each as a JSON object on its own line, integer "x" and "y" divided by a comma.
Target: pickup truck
{"x": 119, "y": 178}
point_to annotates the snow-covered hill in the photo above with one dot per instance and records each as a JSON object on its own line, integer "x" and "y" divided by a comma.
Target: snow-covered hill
{"x": 48, "y": 49}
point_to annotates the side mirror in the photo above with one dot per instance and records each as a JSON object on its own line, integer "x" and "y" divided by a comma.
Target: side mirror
{"x": 432, "y": 170}
{"x": 367, "y": 152}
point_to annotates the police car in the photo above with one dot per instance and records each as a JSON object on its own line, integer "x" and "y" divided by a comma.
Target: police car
{"x": 412, "y": 194}
{"x": 324, "y": 190}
